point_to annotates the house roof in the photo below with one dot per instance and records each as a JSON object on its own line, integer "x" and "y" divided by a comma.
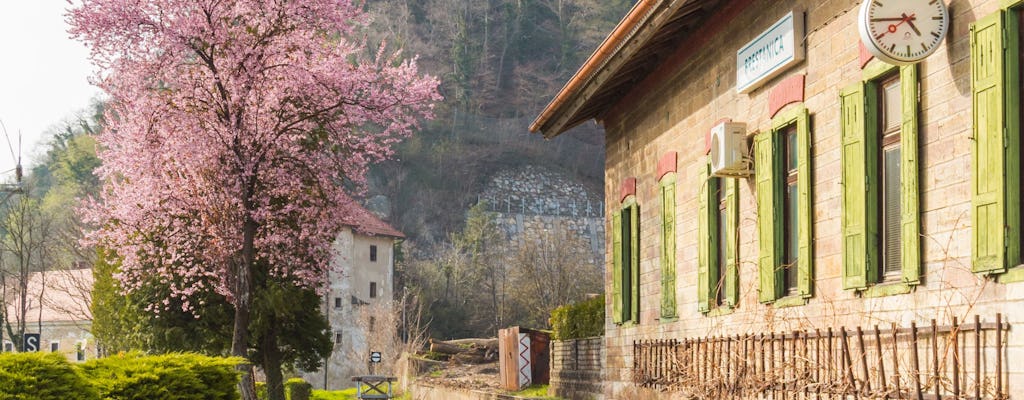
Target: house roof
{"x": 363, "y": 221}
{"x": 66, "y": 296}
{"x": 654, "y": 32}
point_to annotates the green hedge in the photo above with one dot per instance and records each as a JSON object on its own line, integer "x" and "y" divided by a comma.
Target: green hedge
{"x": 297, "y": 389}
{"x": 128, "y": 377}
{"x": 25, "y": 376}
{"x": 577, "y": 321}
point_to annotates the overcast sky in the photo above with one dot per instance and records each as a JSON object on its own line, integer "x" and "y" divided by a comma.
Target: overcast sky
{"x": 43, "y": 75}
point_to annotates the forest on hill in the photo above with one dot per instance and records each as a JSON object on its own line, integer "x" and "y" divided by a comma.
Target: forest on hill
{"x": 499, "y": 62}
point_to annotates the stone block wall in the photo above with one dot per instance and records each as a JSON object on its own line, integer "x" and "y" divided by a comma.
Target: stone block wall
{"x": 674, "y": 114}
{"x": 576, "y": 367}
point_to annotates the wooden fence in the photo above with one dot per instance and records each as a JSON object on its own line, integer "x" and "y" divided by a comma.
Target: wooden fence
{"x": 918, "y": 362}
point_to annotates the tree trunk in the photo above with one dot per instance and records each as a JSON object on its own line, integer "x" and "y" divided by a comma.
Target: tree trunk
{"x": 272, "y": 366}
{"x": 243, "y": 297}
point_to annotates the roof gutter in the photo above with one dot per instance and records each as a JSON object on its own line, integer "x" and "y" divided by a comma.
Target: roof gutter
{"x": 608, "y": 47}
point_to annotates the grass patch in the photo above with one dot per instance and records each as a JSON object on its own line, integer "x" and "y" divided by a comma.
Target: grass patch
{"x": 347, "y": 394}
{"x": 536, "y": 392}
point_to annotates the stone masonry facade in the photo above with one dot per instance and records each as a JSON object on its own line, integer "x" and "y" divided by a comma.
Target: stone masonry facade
{"x": 675, "y": 114}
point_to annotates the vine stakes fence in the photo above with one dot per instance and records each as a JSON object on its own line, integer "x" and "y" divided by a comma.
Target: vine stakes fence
{"x": 960, "y": 360}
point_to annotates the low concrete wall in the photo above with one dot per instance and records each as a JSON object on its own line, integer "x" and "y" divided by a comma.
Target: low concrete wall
{"x": 576, "y": 367}
{"x": 422, "y": 391}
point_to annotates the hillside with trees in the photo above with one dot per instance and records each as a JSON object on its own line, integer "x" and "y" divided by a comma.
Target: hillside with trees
{"x": 500, "y": 62}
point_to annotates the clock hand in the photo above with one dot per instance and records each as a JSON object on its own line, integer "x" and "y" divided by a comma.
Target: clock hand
{"x": 887, "y": 19}
{"x": 893, "y": 27}
{"x": 910, "y": 21}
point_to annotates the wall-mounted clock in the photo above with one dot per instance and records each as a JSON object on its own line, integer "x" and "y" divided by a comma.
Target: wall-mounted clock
{"x": 902, "y": 31}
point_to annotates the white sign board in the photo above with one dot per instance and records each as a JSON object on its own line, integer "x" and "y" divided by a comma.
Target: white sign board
{"x": 375, "y": 357}
{"x": 771, "y": 53}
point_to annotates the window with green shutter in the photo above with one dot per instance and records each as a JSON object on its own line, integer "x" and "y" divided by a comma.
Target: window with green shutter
{"x": 717, "y": 228}
{"x": 667, "y": 189}
{"x": 784, "y": 205}
{"x": 996, "y": 194}
{"x": 880, "y": 199}
{"x": 626, "y": 263}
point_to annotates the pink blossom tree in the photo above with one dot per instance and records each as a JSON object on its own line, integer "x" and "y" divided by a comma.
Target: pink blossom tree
{"x": 234, "y": 126}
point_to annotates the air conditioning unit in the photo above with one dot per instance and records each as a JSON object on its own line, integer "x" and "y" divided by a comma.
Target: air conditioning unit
{"x": 729, "y": 150}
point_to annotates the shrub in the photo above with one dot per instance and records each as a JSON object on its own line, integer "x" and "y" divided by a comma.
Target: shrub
{"x": 170, "y": 377}
{"x": 577, "y": 321}
{"x": 261, "y": 390}
{"x": 298, "y": 389}
{"x": 25, "y": 376}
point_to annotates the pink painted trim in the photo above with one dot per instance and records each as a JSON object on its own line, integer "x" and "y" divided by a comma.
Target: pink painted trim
{"x": 789, "y": 91}
{"x": 627, "y": 189}
{"x": 668, "y": 163}
{"x": 865, "y": 55}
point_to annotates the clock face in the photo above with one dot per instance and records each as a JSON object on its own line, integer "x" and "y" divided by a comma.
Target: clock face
{"x": 903, "y": 31}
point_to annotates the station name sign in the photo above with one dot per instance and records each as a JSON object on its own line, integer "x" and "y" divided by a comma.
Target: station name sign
{"x": 771, "y": 53}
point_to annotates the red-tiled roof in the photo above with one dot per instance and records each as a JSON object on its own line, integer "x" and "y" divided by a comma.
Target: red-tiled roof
{"x": 363, "y": 221}
{"x": 65, "y": 296}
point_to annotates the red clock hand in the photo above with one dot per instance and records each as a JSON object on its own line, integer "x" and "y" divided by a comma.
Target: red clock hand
{"x": 894, "y": 27}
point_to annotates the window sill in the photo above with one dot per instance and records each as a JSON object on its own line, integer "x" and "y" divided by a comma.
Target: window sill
{"x": 666, "y": 320}
{"x": 790, "y": 301}
{"x": 1013, "y": 275}
{"x": 887, "y": 289}
{"x": 720, "y": 311}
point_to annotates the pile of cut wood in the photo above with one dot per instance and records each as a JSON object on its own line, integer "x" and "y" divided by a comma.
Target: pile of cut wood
{"x": 467, "y": 351}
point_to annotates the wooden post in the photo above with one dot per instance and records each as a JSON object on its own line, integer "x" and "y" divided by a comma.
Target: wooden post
{"x": 830, "y": 372}
{"x": 935, "y": 360}
{"x": 955, "y": 332}
{"x": 915, "y": 362}
{"x": 881, "y": 363}
{"x": 864, "y": 361}
{"x": 999, "y": 356}
{"x": 818, "y": 364}
{"x": 896, "y": 360}
{"x": 977, "y": 356}
{"x": 848, "y": 362}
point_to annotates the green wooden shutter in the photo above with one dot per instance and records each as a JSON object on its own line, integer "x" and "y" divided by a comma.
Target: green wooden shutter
{"x": 988, "y": 186}
{"x": 731, "y": 247}
{"x": 910, "y": 233}
{"x": 668, "y": 246}
{"x": 634, "y": 262}
{"x": 857, "y": 186}
{"x": 1014, "y": 202}
{"x": 767, "y": 224}
{"x": 617, "y": 267}
{"x": 805, "y": 206}
{"x": 706, "y": 256}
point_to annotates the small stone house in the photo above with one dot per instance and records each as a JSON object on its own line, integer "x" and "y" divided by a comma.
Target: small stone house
{"x": 358, "y": 297}
{"x": 870, "y": 244}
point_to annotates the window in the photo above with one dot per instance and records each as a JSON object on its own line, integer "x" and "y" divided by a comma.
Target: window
{"x": 373, "y": 252}
{"x": 667, "y": 189}
{"x": 790, "y": 212}
{"x": 54, "y": 346}
{"x": 337, "y": 302}
{"x": 80, "y": 350}
{"x": 337, "y": 338}
{"x": 373, "y": 290}
{"x": 889, "y": 170}
{"x": 782, "y": 164}
{"x": 996, "y": 81}
{"x": 8, "y": 346}
{"x": 880, "y": 199}
{"x": 717, "y": 226}
{"x": 626, "y": 263}
{"x": 373, "y": 323}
